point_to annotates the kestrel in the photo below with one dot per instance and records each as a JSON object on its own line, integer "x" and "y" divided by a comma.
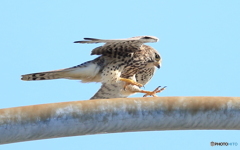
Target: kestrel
{"x": 121, "y": 63}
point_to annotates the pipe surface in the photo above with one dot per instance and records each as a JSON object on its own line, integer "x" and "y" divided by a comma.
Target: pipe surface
{"x": 118, "y": 115}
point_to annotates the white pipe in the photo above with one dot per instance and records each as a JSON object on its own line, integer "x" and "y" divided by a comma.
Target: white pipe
{"x": 118, "y": 115}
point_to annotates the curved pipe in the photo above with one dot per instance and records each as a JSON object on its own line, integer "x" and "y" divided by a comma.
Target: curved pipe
{"x": 118, "y": 115}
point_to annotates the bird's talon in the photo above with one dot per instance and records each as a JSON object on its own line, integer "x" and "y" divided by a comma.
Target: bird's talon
{"x": 129, "y": 81}
{"x": 154, "y": 92}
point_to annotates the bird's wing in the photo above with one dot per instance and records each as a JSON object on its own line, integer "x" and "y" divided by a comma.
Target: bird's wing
{"x": 95, "y": 40}
{"x": 114, "y": 46}
{"x": 115, "y": 90}
{"x": 109, "y": 91}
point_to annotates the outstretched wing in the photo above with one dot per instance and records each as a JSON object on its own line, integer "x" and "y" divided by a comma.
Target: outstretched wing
{"x": 109, "y": 91}
{"x": 116, "y": 46}
{"x": 95, "y": 40}
{"x": 116, "y": 90}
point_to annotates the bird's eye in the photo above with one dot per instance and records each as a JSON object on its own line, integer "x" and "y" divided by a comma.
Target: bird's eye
{"x": 157, "y": 57}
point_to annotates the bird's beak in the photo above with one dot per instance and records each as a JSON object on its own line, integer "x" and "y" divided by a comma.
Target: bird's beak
{"x": 158, "y": 64}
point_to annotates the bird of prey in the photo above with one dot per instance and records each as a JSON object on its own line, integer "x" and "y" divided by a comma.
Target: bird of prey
{"x": 121, "y": 63}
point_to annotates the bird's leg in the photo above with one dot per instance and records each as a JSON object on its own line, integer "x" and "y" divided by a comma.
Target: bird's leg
{"x": 153, "y": 93}
{"x": 129, "y": 81}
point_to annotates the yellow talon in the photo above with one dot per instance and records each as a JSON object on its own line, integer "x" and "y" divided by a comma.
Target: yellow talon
{"x": 153, "y": 93}
{"x": 129, "y": 81}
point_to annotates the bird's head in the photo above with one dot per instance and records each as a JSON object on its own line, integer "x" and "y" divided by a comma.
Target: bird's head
{"x": 152, "y": 56}
{"x": 154, "y": 60}
{"x": 157, "y": 60}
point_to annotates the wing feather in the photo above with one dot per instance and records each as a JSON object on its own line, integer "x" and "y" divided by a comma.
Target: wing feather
{"x": 113, "y": 46}
{"x": 95, "y": 40}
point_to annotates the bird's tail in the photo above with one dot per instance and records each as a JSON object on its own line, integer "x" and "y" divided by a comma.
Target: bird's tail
{"x": 56, "y": 74}
{"x": 87, "y": 72}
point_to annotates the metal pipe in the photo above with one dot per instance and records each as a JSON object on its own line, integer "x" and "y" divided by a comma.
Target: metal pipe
{"x": 118, "y": 115}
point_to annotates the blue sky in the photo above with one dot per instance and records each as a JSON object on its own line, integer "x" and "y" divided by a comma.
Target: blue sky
{"x": 199, "y": 44}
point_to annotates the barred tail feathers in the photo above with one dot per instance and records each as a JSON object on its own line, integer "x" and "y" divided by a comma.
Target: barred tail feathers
{"x": 87, "y": 72}
{"x": 43, "y": 75}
